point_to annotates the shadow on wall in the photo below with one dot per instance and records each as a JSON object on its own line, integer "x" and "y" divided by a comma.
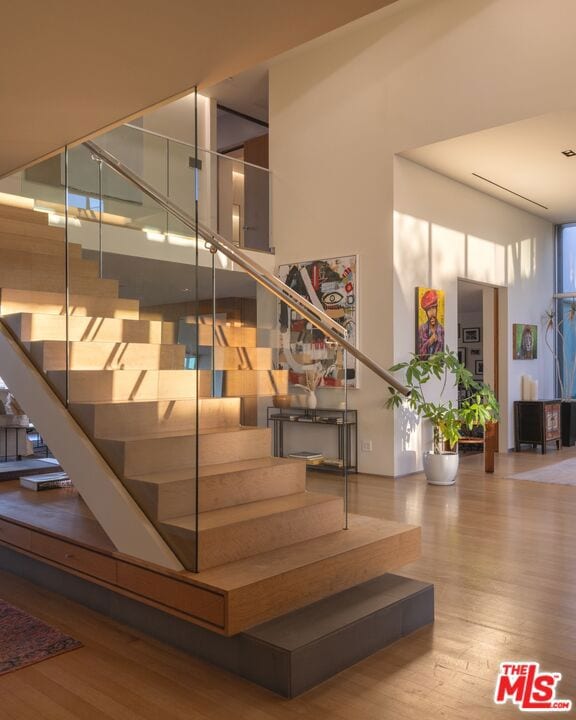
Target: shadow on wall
{"x": 409, "y": 432}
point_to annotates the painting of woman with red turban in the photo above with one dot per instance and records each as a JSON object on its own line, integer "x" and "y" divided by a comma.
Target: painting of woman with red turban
{"x": 430, "y": 321}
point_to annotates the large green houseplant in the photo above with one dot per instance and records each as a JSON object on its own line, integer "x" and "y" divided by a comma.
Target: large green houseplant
{"x": 477, "y": 406}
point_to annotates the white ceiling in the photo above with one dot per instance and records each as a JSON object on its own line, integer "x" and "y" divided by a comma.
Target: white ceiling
{"x": 525, "y": 157}
{"x": 70, "y": 69}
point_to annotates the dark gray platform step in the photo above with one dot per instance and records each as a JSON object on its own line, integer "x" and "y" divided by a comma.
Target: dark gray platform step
{"x": 288, "y": 655}
{"x": 293, "y": 653}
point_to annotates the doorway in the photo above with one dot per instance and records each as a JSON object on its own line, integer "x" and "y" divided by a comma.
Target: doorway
{"x": 478, "y": 332}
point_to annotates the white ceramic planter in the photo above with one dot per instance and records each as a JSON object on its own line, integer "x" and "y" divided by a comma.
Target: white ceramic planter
{"x": 441, "y": 468}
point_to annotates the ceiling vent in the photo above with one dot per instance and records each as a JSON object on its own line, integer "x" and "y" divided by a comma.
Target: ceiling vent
{"x": 501, "y": 187}
{"x": 569, "y": 153}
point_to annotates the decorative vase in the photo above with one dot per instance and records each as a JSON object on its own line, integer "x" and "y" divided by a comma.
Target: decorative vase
{"x": 440, "y": 468}
{"x": 312, "y": 400}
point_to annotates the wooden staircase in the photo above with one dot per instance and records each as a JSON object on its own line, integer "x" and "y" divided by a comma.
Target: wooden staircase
{"x": 156, "y": 425}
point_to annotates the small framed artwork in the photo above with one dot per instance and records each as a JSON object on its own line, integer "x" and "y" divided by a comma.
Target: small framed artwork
{"x": 474, "y": 351}
{"x": 471, "y": 335}
{"x": 479, "y": 367}
{"x": 525, "y": 342}
{"x": 462, "y": 356}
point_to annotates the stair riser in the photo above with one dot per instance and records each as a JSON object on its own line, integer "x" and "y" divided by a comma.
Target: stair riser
{"x": 255, "y": 383}
{"x": 128, "y": 385}
{"x": 135, "y": 457}
{"x": 30, "y": 328}
{"x": 47, "y": 303}
{"x": 224, "y": 336}
{"x": 51, "y": 355}
{"x": 240, "y": 540}
{"x": 23, "y": 278}
{"x": 236, "y": 358}
{"x": 40, "y": 264}
{"x": 88, "y": 386}
{"x": 166, "y": 501}
{"x": 39, "y": 246}
{"x": 11, "y": 212}
{"x": 101, "y": 420}
{"x": 30, "y": 229}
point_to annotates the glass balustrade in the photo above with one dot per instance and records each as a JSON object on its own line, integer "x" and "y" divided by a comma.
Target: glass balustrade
{"x": 190, "y": 367}
{"x": 232, "y": 196}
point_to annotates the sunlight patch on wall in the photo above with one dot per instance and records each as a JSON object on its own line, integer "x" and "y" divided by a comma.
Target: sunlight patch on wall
{"x": 521, "y": 260}
{"x": 411, "y": 249}
{"x": 447, "y": 254}
{"x": 485, "y": 261}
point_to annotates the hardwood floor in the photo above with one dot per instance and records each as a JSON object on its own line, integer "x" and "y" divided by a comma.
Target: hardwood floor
{"x": 499, "y": 551}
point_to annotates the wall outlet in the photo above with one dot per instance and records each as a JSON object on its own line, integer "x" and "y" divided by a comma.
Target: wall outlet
{"x": 366, "y": 445}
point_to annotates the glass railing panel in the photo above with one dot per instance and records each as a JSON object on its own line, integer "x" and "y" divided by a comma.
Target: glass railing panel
{"x": 238, "y": 205}
{"x": 123, "y": 203}
{"x": 233, "y": 197}
{"x": 272, "y": 364}
{"x": 291, "y": 379}
{"x": 33, "y": 242}
{"x": 130, "y": 383}
{"x": 32, "y": 282}
{"x": 39, "y": 188}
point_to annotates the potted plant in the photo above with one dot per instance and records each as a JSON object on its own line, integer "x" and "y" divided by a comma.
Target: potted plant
{"x": 555, "y": 337}
{"x": 477, "y": 407}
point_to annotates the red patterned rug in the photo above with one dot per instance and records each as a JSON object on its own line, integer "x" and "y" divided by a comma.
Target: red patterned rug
{"x": 25, "y": 640}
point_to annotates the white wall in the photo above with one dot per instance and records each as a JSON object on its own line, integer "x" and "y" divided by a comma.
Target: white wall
{"x": 444, "y": 231}
{"x": 343, "y": 105}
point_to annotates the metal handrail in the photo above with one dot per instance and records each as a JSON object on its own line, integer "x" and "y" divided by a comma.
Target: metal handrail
{"x": 317, "y": 317}
{"x": 190, "y": 145}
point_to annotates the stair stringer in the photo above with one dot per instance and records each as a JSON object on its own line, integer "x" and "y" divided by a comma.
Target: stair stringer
{"x": 113, "y": 507}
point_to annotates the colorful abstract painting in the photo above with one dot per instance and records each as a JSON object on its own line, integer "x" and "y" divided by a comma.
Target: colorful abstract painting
{"x": 430, "y": 314}
{"x": 525, "y": 342}
{"x": 330, "y": 285}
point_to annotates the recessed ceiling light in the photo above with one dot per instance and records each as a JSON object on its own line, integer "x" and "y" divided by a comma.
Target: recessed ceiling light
{"x": 569, "y": 153}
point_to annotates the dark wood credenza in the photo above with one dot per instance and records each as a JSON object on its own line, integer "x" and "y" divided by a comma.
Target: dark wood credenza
{"x": 536, "y": 422}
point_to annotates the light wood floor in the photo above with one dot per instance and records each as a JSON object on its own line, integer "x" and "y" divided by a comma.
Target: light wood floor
{"x": 501, "y": 553}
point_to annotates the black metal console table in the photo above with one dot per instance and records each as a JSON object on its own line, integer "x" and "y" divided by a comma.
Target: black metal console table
{"x": 345, "y": 421}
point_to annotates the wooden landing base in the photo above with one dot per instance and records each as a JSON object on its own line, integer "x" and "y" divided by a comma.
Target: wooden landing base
{"x": 288, "y": 655}
{"x": 57, "y": 528}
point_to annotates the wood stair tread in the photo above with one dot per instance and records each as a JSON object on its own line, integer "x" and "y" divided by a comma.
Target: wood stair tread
{"x": 204, "y": 471}
{"x": 128, "y": 402}
{"x": 89, "y": 320}
{"x": 181, "y": 433}
{"x": 109, "y": 343}
{"x": 361, "y": 531}
{"x": 250, "y": 511}
{"x": 54, "y": 303}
